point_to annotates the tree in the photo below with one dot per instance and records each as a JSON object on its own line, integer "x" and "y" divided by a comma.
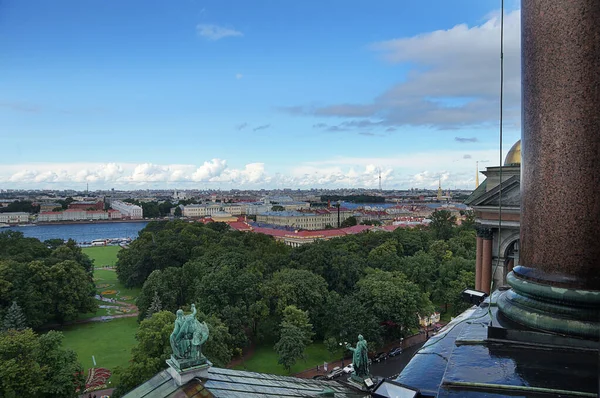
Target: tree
{"x": 155, "y": 306}
{"x": 53, "y": 244}
{"x": 332, "y": 345}
{"x": 349, "y": 222}
{"x": 290, "y": 346}
{"x": 70, "y": 290}
{"x": 296, "y": 334}
{"x": 277, "y": 208}
{"x": 442, "y": 223}
{"x": 14, "y": 318}
{"x": 37, "y": 366}
{"x": 394, "y": 300}
{"x": 292, "y": 316}
{"x": 178, "y": 212}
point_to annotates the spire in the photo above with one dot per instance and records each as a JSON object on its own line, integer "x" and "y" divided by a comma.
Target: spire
{"x": 439, "y": 192}
{"x": 477, "y": 174}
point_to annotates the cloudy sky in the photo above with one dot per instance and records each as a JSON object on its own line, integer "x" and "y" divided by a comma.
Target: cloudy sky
{"x": 253, "y": 94}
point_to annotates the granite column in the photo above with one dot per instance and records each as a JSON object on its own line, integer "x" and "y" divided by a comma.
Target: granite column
{"x": 556, "y": 286}
{"x": 478, "y": 253}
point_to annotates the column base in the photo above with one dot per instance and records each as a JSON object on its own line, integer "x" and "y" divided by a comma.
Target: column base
{"x": 571, "y": 312}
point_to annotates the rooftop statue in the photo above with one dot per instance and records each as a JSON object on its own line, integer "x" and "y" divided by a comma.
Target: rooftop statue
{"x": 187, "y": 339}
{"x": 360, "y": 358}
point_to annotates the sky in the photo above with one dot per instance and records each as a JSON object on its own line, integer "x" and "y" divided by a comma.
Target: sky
{"x": 211, "y": 94}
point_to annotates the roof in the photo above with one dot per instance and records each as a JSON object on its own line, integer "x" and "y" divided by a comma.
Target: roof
{"x": 510, "y": 195}
{"x": 480, "y": 190}
{"x": 468, "y": 358}
{"x": 229, "y": 383}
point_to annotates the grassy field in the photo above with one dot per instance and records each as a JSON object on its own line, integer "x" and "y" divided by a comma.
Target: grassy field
{"x": 265, "y": 360}
{"x": 102, "y": 255}
{"x": 110, "y": 342}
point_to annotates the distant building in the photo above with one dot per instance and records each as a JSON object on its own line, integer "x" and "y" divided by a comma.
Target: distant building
{"x": 201, "y": 210}
{"x": 88, "y": 204}
{"x": 15, "y": 217}
{"x": 49, "y": 206}
{"x": 319, "y": 219}
{"x": 73, "y": 215}
{"x": 128, "y": 210}
{"x": 114, "y": 214}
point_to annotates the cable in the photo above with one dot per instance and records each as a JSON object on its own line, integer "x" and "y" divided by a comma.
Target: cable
{"x": 500, "y": 158}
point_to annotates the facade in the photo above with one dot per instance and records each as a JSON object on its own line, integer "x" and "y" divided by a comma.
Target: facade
{"x": 14, "y": 217}
{"x": 49, "y": 206}
{"x": 128, "y": 210}
{"x": 114, "y": 214}
{"x": 201, "y": 210}
{"x": 85, "y": 205}
{"x": 497, "y": 231}
{"x": 73, "y": 215}
{"x": 319, "y": 219}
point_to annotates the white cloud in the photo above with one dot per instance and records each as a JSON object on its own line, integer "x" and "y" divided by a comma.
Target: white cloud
{"x": 238, "y": 76}
{"x": 405, "y": 170}
{"x": 454, "y": 80}
{"x": 216, "y": 32}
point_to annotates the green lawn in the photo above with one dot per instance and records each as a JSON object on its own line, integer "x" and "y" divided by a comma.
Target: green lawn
{"x": 110, "y": 342}
{"x": 102, "y": 255}
{"x": 265, "y": 360}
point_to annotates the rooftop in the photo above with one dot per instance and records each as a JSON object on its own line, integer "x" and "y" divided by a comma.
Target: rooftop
{"x": 225, "y": 383}
{"x": 482, "y": 353}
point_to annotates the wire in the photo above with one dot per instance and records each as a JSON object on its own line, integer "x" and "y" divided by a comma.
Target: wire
{"x": 498, "y": 256}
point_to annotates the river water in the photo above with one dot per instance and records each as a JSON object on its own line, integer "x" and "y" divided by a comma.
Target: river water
{"x": 82, "y": 232}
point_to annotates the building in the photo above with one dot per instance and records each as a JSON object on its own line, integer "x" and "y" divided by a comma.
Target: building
{"x": 73, "y": 215}
{"x": 49, "y": 206}
{"x": 128, "y": 210}
{"x": 201, "y": 210}
{"x": 87, "y": 205}
{"x": 14, "y": 217}
{"x": 311, "y": 220}
{"x": 114, "y": 214}
{"x": 497, "y": 210}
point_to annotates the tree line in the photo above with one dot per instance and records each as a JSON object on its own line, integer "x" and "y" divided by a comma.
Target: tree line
{"x": 41, "y": 283}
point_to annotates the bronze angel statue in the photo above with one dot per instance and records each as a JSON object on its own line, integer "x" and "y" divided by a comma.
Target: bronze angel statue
{"x": 188, "y": 336}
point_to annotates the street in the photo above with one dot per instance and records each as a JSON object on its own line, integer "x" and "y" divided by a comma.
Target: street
{"x": 394, "y": 365}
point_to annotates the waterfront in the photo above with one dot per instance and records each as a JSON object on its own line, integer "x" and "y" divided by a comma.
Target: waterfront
{"x": 82, "y": 232}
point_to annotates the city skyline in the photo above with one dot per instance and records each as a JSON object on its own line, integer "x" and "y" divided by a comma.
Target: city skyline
{"x": 206, "y": 94}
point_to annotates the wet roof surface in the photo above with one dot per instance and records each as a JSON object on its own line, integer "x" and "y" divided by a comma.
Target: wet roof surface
{"x": 224, "y": 383}
{"x": 462, "y": 361}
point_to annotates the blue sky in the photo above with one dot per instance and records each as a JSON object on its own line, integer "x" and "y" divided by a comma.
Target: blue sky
{"x": 256, "y": 94}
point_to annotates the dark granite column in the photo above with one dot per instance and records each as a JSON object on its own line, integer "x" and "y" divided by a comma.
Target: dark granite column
{"x": 558, "y": 275}
{"x": 486, "y": 266}
{"x": 478, "y": 252}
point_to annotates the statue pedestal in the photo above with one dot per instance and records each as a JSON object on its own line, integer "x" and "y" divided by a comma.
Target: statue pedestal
{"x": 183, "y": 371}
{"x": 358, "y": 381}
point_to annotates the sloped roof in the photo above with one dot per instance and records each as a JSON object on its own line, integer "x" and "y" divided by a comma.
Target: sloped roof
{"x": 230, "y": 383}
{"x": 509, "y": 194}
{"x": 480, "y": 190}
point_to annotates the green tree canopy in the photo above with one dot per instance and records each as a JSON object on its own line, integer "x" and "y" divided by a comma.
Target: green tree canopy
{"x": 442, "y": 224}
{"x": 37, "y": 366}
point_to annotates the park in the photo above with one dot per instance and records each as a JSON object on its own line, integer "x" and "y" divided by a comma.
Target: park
{"x": 109, "y": 340}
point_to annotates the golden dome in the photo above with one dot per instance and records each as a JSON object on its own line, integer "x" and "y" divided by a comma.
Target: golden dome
{"x": 513, "y": 157}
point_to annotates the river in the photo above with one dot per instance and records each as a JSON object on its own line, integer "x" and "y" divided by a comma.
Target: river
{"x": 82, "y": 232}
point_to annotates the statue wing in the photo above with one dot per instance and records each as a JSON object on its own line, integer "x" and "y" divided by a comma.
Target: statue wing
{"x": 204, "y": 332}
